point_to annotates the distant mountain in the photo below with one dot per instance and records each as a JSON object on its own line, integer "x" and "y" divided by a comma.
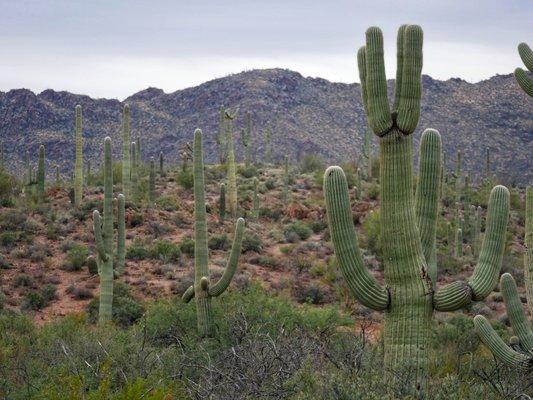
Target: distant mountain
{"x": 307, "y": 115}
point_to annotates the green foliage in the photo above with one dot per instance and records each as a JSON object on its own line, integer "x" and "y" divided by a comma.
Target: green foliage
{"x": 218, "y": 242}
{"x": 312, "y": 163}
{"x": 185, "y": 179}
{"x": 372, "y": 228}
{"x": 126, "y": 309}
{"x": 136, "y": 251}
{"x": 251, "y": 242}
{"x": 165, "y": 250}
{"x": 298, "y": 228}
{"x": 76, "y": 257}
{"x": 187, "y": 246}
{"x": 33, "y": 301}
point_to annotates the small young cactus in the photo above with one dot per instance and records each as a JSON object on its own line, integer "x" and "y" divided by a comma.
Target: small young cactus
{"x": 521, "y": 76}
{"x": 40, "y": 175}
{"x": 78, "y": 167}
{"x": 103, "y": 235}
{"x": 203, "y": 290}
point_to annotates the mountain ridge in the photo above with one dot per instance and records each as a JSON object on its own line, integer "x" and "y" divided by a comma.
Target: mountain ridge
{"x": 307, "y": 115}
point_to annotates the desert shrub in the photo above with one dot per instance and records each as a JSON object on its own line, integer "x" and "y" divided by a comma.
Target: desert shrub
{"x": 251, "y": 242}
{"x": 92, "y": 266}
{"x": 33, "y": 300}
{"x": 49, "y": 292}
{"x": 273, "y": 213}
{"x": 165, "y": 250}
{"x": 217, "y": 242}
{"x": 372, "y": 227}
{"x": 12, "y": 220}
{"x": 318, "y": 225}
{"x": 298, "y": 228}
{"x": 266, "y": 261}
{"x": 270, "y": 184}
{"x": 247, "y": 172}
{"x": 167, "y": 203}
{"x": 311, "y": 294}
{"x": 23, "y": 280}
{"x": 137, "y": 219}
{"x": 76, "y": 257}
{"x": 373, "y": 191}
{"x": 311, "y": 163}
{"x": 136, "y": 251}
{"x": 126, "y": 309}
{"x": 185, "y": 179}
{"x": 7, "y": 187}
{"x": 187, "y": 246}
{"x": 8, "y": 239}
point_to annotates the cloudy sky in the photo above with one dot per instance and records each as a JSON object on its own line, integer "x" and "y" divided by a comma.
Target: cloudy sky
{"x": 113, "y": 48}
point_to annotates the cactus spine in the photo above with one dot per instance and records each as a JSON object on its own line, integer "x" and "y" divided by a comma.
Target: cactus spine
{"x": 407, "y": 299}
{"x": 103, "y": 235}
{"x": 230, "y": 160}
{"x": 78, "y": 167}
{"x": 521, "y": 76}
{"x": 151, "y": 191}
{"x": 202, "y": 290}
{"x": 126, "y": 160}
{"x": 222, "y": 202}
{"x": 40, "y": 175}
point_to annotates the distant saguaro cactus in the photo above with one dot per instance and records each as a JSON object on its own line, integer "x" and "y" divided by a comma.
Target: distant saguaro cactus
{"x": 255, "y": 201}
{"x": 134, "y": 174}
{"x": 40, "y": 175}
{"x": 221, "y": 136}
{"x": 103, "y": 235}
{"x": 525, "y": 82}
{"x": 222, "y": 202}
{"x": 458, "y": 242}
{"x": 151, "y": 190}
{"x": 78, "y": 167}
{"x": 161, "y": 164}
{"x": 230, "y": 161}
{"x": 202, "y": 290}
{"x": 126, "y": 149}
{"x": 410, "y": 296}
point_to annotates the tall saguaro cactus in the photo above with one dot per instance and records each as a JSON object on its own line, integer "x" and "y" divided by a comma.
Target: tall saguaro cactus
{"x": 103, "y": 235}
{"x": 126, "y": 143}
{"x": 521, "y": 76}
{"x": 151, "y": 183}
{"x": 232, "y": 170}
{"x": 409, "y": 297}
{"x": 202, "y": 290}
{"x": 40, "y": 175}
{"x": 78, "y": 167}
{"x": 221, "y": 135}
{"x": 134, "y": 174}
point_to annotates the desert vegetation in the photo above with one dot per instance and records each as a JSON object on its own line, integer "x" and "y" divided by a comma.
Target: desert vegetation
{"x": 263, "y": 276}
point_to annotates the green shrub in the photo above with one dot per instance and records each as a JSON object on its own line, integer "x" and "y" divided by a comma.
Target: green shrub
{"x": 251, "y": 242}
{"x": 372, "y": 227}
{"x": 247, "y": 172}
{"x": 49, "y": 292}
{"x": 167, "y": 203}
{"x": 312, "y": 163}
{"x": 126, "y": 309}
{"x": 136, "y": 251}
{"x": 76, "y": 258}
{"x": 137, "y": 219}
{"x": 318, "y": 225}
{"x": 298, "y": 228}
{"x": 218, "y": 242}
{"x": 8, "y": 239}
{"x": 187, "y": 246}
{"x": 185, "y": 179}
{"x": 165, "y": 250}
{"x": 33, "y": 301}
{"x": 23, "y": 280}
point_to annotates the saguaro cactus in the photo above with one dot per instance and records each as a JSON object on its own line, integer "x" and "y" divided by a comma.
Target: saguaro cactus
{"x": 221, "y": 136}
{"x": 222, "y": 202}
{"x": 151, "y": 190}
{"x": 40, "y": 174}
{"x": 103, "y": 235}
{"x": 408, "y": 299}
{"x": 521, "y": 76}
{"x": 202, "y": 290}
{"x": 78, "y": 167}
{"x": 161, "y": 164}
{"x": 255, "y": 201}
{"x": 134, "y": 174}
{"x": 458, "y": 242}
{"x": 232, "y": 170}
{"x": 528, "y": 240}
{"x": 126, "y": 160}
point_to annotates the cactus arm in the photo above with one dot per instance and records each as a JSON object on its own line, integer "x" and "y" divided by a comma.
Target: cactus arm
{"x": 362, "y": 284}
{"x": 361, "y": 64}
{"x": 526, "y": 55}
{"x": 515, "y": 312}
{"x": 528, "y": 241}
{"x": 188, "y": 295}
{"x": 454, "y": 295}
{"x": 399, "y": 65}
{"x": 379, "y": 115}
{"x": 411, "y": 84}
{"x": 121, "y": 239}
{"x": 523, "y": 79}
{"x": 487, "y": 270}
{"x": 497, "y": 346}
{"x": 427, "y": 196}
{"x": 224, "y": 281}
{"x": 97, "y": 227}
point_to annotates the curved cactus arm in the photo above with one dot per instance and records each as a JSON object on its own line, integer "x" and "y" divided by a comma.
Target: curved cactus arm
{"x": 528, "y": 257}
{"x": 188, "y": 295}
{"x": 515, "y": 312}
{"x": 526, "y": 55}
{"x": 121, "y": 231}
{"x": 98, "y": 238}
{"x": 525, "y": 82}
{"x": 378, "y": 111}
{"x": 454, "y": 296}
{"x": 496, "y": 345}
{"x": 361, "y": 283}
{"x": 411, "y": 83}
{"x": 224, "y": 281}
{"x": 427, "y": 196}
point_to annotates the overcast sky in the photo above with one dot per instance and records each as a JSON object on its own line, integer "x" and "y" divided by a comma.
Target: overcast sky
{"x": 114, "y": 48}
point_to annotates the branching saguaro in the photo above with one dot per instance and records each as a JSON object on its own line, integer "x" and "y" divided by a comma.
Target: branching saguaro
{"x": 519, "y": 352}
{"x": 202, "y": 290}
{"x": 409, "y": 297}
{"x": 103, "y": 235}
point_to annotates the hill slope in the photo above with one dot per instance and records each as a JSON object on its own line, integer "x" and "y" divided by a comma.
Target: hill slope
{"x": 307, "y": 115}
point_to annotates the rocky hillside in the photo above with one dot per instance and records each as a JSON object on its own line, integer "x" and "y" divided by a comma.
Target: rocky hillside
{"x": 307, "y": 116}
